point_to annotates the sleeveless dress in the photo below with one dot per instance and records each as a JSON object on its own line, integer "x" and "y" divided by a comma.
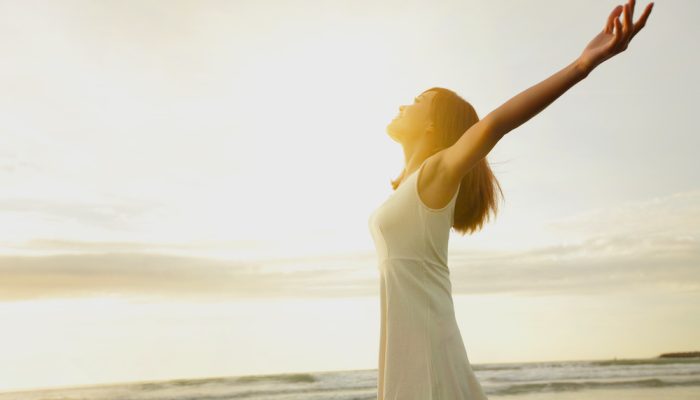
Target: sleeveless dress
{"x": 421, "y": 352}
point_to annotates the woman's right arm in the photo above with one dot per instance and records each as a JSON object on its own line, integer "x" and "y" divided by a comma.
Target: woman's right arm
{"x": 481, "y": 137}
{"x": 531, "y": 101}
{"x": 612, "y": 40}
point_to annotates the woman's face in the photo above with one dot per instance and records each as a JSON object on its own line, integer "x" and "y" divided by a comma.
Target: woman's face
{"x": 412, "y": 120}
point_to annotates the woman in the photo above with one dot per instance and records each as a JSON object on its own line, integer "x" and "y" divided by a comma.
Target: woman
{"x": 447, "y": 183}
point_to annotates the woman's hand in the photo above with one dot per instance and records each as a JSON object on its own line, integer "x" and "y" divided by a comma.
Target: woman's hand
{"x": 615, "y": 36}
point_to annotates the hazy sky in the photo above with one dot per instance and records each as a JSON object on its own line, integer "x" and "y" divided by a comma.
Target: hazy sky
{"x": 185, "y": 186}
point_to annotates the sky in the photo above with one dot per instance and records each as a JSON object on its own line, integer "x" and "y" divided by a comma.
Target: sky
{"x": 186, "y": 185}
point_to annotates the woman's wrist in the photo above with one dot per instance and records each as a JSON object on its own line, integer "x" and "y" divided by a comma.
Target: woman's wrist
{"x": 583, "y": 66}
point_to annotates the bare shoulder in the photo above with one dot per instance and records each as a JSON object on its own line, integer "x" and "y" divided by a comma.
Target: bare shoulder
{"x": 437, "y": 183}
{"x": 470, "y": 148}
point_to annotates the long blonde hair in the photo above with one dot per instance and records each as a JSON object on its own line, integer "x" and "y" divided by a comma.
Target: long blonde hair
{"x": 477, "y": 198}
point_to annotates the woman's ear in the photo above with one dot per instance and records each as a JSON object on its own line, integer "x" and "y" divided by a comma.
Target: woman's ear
{"x": 430, "y": 129}
{"x": 433, "y": 134}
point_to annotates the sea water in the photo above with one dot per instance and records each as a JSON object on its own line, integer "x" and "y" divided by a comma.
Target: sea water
{"x": 639, "y": 379}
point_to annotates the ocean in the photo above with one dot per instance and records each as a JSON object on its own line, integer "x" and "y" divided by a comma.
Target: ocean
{"x": 624, "y": 379}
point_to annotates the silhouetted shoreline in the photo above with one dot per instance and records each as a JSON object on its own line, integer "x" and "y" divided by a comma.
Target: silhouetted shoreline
{"x": 686, "y": 354}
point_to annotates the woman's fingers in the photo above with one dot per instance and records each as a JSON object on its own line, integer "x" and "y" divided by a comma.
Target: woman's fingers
{"x": 624, "y": 31}
{"x": 610, "y": 24}
{"x": 626, "y": 28}
{"x": 643, "y": 19}
{"x": 629, "y": 10}
{"x": 618, "y": 34}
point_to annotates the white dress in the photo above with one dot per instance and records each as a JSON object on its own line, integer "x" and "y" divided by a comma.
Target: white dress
{"x": 421, "y": 351}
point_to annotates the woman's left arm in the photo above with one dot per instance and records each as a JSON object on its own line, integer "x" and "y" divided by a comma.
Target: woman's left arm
{"x": 612, "y": 40}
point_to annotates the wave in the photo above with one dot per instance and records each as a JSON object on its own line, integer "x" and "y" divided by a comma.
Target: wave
{"x": 567, "y": 386}
{"x": 285, "y": 378}
{"x": 291, "y": 378}
{"x": 653, "y": 361}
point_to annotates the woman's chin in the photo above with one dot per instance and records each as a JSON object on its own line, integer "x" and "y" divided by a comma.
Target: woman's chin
{"x": 392, "y": 125}
{"x": 392, "y": 133}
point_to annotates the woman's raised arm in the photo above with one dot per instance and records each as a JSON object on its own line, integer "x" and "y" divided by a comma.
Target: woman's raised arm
{"x": 612, "y": 40}
{"x": 481, "y": 137}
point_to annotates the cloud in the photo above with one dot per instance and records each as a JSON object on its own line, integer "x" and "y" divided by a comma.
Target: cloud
{"x": 650, "y": 245}
{"x": 676, "y": 214}
{"x": 157, "y": 275}
{"x": 111, "y": 213}
{"x": 14, "y": 165}
{"x": 595, "y": 266}
{"x": 81, "y": 246}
